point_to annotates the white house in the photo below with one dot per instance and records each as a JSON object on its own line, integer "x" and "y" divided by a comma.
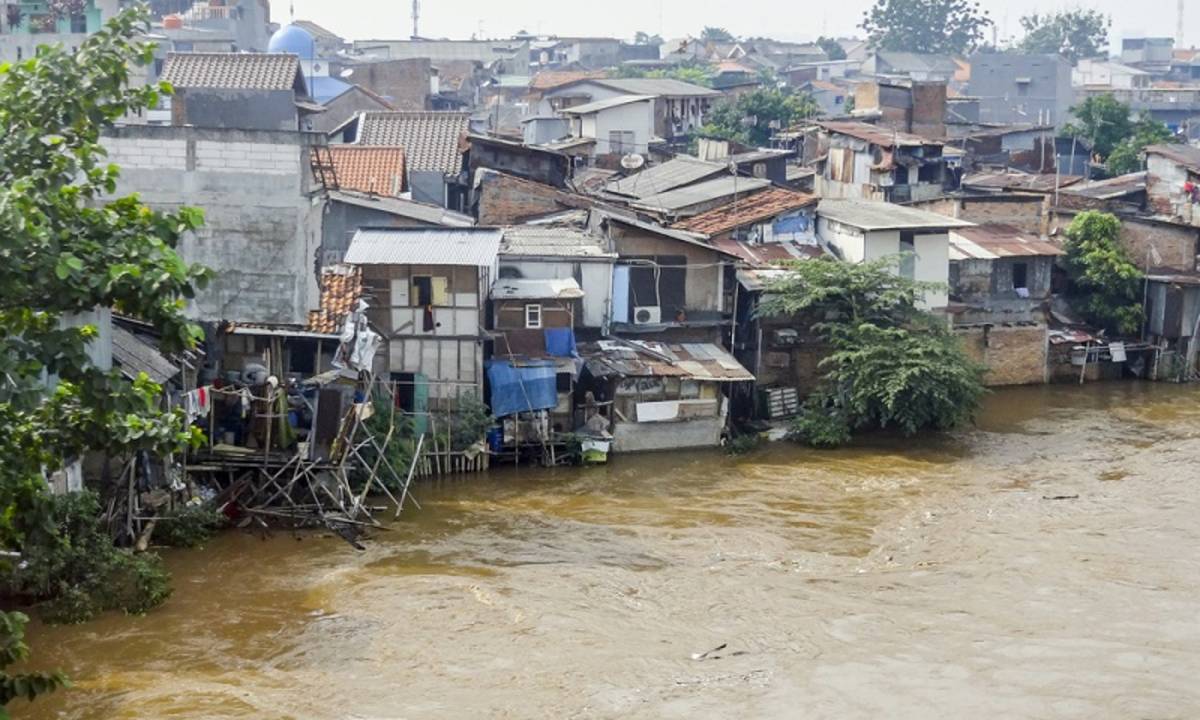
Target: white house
{"x": 619, "y": 125}
{"x": 862, "y": 230}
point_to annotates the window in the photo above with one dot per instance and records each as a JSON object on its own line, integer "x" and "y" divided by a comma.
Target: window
{"x": 1020, "y": 276}
{"x": 621, "y": 142}
{"x": 908, "y": 258}
{"x": 533, "y": 316}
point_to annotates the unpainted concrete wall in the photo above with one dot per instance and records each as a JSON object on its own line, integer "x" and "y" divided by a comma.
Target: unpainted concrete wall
{"x": 261, "y": 231}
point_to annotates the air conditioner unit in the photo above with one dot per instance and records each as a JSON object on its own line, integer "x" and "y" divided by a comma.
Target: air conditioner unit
{"x": 647, "y": 315}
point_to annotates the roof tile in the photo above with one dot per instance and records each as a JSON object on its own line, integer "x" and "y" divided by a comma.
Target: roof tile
{"x": 232, "y": 71}
{"x": 430, "y": 139}
{"x": 378, "y": 170}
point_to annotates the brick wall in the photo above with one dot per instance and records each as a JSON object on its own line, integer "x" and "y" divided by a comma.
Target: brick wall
{"x": 506, "y": 200}
{"x": 1012, "y": 355}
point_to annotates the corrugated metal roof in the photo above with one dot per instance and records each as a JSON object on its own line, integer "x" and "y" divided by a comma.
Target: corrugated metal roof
{"x": 876, "y": 135}
{"x": 233, "y": 71}
{"x": 677, "y": 172}
{"x": 432, "y": 214}
{"x": 664, "y": 87}
{"x": 638, "y": 358}
{"x": 430, "y": 139}
{"x": 868, "y": 215}
{"x": 552, "y": 241}
{"x": 759, "y": 206}
{"x": 680, "y": 199}
{"x": 521, "y": 289}
{"x": 1185, "y": 155}
{"x": 599, "y": 105}
{"x": 994, "y": 241}
{"x": 135, "y": 356}
{"x": 424, "y": 246}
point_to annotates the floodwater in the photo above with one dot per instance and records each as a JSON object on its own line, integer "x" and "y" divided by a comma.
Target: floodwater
{"x": 902, "y": 579}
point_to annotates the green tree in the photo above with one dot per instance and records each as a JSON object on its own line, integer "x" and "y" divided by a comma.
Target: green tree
{"x": 716, "y": 34}
{"x": 925, "y": 26}
{"x": 1106, "y": 285}
{"x": 1102, "y": 120}
{"x": 1074, "y": 34}
{"x": 1126, "y": 157}
{"x": 832, "y": 48}
{"x": 752, "y": 118}
{"x": 891, "y": 364}
{"x": 69, "y": 247}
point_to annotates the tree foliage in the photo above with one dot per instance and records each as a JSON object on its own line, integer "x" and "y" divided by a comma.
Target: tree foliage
{"x": 716, "y": 34}
{"x": 1126, "y": 157}
{"x": 832, "y": 48}
{"x": 1103, "y": 120}
{"x": 753, "y": 117}
{"x": 1074, "y": 34}
{"x": 1106, "y": 284}
{"x": 68, "y": 247}
{"x": 950, "y": 27}
{"x": 891, "y": 364}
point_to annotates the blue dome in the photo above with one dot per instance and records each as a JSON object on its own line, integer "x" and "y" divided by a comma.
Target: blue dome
{"x": 292, "y": 39}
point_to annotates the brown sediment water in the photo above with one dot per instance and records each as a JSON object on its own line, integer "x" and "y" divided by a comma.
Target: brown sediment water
{"x": 926, "y": 578}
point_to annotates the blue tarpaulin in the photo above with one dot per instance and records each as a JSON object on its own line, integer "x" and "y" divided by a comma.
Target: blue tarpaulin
{"x": 523, "y": 388}
{"x": 560, "y": 342}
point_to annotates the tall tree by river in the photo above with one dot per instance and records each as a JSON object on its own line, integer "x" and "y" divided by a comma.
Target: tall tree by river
{"x": 67, "y": 247}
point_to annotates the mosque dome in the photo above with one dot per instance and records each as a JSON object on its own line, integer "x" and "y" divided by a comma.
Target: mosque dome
{"x": 293, "y": 39}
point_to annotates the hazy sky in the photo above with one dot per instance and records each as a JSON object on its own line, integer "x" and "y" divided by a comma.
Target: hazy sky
{"x": 792, "y": 20}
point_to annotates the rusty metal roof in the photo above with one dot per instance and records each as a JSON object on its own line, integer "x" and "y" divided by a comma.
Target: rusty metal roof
{"x": 765, "y": 254}
{"x": 994, "y": 241}
{"x": 1111, "y": 188}
{"x": 760, "y": 206}
{"x": 1018, "y": 181}
{"x": 884, "y": 137}
{"x": 639, "y": 358}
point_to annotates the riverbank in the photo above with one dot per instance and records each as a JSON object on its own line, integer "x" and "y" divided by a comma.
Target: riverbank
{"x": 897, "y": 579}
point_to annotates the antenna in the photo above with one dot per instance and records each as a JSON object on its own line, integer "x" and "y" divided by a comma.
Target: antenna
{"x": 416, "y": 16}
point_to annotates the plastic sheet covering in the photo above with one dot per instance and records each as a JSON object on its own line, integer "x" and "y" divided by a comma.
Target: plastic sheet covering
{"x": 524, "y": 388}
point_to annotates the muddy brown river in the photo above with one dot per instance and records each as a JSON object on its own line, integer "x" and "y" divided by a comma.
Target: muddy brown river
{"x": 899, "y": 579}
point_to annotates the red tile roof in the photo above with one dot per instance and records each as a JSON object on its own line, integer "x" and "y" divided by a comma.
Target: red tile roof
{"x": 759, "y": 206}
{"x": 374, "y": 169}
{"x": 341, "y": 288}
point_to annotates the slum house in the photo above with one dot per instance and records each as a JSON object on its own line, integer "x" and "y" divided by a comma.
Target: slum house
{"x": 660, "y": 395}
{"x": 1000, "y": 286}
{"x": 432, "y": 143}
{"x": 538, "y": 164}
{"x": 909, "y": 106}
{"x": 1173, "y": 322}
{"x": 348, "y": 103}
{"x": 347, "y": 210}
{"x": 242, "y": 91}
{"x": 428, "y": 290}
{"x": 1173, "y": 183}
{"x": 679, "y": 107}
{"x": 861, "y": 161}
{"x": 666, "y": 282}
{"x": 860, "y": 230}
{"x": 617, "y": 126}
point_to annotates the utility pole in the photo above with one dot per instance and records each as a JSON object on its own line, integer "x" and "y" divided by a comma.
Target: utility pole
{"x": 416, "y": 16}
{"x": 1179, "y": 26}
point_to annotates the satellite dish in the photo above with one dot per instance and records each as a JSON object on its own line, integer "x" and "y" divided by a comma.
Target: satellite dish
{"x": 632, "y": 161}
{"x": 347, "y": 72}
